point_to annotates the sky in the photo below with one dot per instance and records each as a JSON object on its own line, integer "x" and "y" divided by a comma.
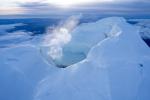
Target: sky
{"x": 54, "y": 7}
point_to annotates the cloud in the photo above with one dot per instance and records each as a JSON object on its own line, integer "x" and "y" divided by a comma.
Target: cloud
{"x": 43, "y": 8}
{"x": 60, "y": 36}
{"x": 33, "y": 4}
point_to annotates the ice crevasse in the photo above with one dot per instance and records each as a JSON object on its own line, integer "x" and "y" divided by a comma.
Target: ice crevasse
{"x": 116, "y": 65}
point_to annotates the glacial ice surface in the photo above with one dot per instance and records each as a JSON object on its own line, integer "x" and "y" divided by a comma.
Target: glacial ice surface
{"x": 107, "y": 60}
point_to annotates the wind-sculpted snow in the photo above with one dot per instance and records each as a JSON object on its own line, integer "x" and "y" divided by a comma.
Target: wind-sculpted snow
{"x": 116, "y": 67}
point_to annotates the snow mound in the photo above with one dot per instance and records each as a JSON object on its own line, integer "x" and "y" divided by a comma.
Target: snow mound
{"x": 116, "y": 67}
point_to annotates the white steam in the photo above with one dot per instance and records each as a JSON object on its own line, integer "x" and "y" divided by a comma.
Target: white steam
{"x": 60, "y": 36}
